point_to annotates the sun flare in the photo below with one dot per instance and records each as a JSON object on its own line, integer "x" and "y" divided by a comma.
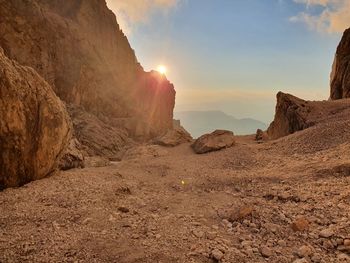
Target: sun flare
{"x": 162, "y": 69}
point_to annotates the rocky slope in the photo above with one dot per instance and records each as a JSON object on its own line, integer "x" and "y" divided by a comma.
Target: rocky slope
{"x": 34, "y": 125}
{"x": 294, "y": 114}
{"x": 340, "y": 76}
{"x": 79, "y": 49}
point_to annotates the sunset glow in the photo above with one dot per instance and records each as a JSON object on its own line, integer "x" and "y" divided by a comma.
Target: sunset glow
{"x": 162, "y": 69}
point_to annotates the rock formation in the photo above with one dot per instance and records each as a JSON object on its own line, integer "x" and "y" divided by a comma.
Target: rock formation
{"x": 294, "y": 114}
{"x": 174, "y": 137}
{"x": 340, "y": 76}
{"x": 34, "y": 127}
{"x": 214, "y": 141}
{"x": 79, "y": 49}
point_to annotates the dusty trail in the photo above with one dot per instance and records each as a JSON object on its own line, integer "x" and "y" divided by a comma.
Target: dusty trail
{"x": 138, "y": 210}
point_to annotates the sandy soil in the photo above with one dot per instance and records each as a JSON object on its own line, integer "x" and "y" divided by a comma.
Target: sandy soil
{"x": 171, "y": 205}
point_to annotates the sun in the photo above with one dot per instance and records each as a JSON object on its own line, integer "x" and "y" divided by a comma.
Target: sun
{"x": 162, "y": 69}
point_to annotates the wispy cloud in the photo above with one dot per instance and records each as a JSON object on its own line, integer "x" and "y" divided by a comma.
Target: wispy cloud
{"x": 334, "y": 16}
{"x": 132, "y": 12}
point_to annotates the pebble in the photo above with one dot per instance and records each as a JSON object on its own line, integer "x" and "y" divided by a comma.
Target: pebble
{"x": 217, "y": 254}
{"x": 300, "y": 224}
{"x": 326, "y": 233}
{"x": 304, "y": 251}
{"x": 266, "y": 252}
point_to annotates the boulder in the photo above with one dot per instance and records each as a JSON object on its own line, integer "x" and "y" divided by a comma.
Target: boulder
{"x": 34, "y": 128}
{"x": 214, "y": 141}
{"x": 294, "y": 114}
{"x": 340, "y": 75}
{"x": 290, "y": 116}
{"x": 175, "y": 136}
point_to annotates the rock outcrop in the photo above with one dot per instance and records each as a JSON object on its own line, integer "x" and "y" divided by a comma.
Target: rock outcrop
{"x": 79, "y": 49}
{"x": 175, "y": 136}
{"x": 34, "y": 125}
{"x": 214, "y": 141}
{"x": 294, "y": 114}
{"x": 340, "y": 76}
{"x": 290, "y": 116}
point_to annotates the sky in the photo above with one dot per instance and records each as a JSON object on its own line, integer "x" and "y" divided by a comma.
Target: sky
{"x": 235, "y": 55}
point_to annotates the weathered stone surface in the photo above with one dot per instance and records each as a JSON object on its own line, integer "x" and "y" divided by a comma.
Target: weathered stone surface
{"x": 79, "y": 49}
{"x": 98, "y": 138}
{"x": 214, "y": 141}
{"x": 340, "y": 75}
{"x": 34, "y": 125}
{"x": 290, "y": 116}
{"x": 174, "y": 137}
{"x": 294, "y": 114}
{"x": 73, "y": 157}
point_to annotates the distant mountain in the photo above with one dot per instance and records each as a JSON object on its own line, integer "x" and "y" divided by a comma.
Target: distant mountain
{"x": 200, "y": 122}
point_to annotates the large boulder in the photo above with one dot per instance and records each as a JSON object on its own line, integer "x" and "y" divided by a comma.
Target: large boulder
{"x": 340, "y": 76}
{"x": 79, "y": 49}
{"x": 291, "y": 116}
{"x": 294, "y": 114}
{"x": 214, "y": 141}
{"x": 34, "y": 125}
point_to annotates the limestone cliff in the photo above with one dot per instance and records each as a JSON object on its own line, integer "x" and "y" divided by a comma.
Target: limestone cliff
{"x": 79, "y": 49}
{"x": 340, "y": 76}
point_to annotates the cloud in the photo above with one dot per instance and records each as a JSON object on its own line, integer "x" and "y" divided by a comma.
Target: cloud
{"x": 132, "y": 12}
{"x": 334, "y": 16}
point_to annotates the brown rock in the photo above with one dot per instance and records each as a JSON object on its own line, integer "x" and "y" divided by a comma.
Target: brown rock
{"x": 214, "y": 141}
{"x": 80, "y": 50}
{"x": 241, "y": 213}
{"x": 300, "y": 224}
{"x": 294, "y": 114}
{"x": 73, "y": 156}
{"x": 174, "y": 137}
{"x": 259, "y": 136}
{"x": 340, "y": 76}
{"x": 34, "y": 128}
{"x": 266, "y": 252}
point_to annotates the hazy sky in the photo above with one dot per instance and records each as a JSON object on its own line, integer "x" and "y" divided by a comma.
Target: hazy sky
{"x": 235, "y": 55}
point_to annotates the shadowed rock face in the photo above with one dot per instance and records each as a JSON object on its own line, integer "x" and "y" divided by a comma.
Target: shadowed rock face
{"x": 34, "y": 125}
{"x": 79, "y": 49}
{"x": 340, "y": 76}
{"x": 290, "y": 116}
{"x": 294, "y": 114}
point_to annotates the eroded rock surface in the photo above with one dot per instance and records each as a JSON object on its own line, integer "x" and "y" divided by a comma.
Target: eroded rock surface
{"x": 79, "y": 49}
{"x": 340, "y": 76}
{"x": 175, "y": 136}
{"x": 214, "y": 141}
{"x": 34, "y": 127}
{"x": 294, "y": 114}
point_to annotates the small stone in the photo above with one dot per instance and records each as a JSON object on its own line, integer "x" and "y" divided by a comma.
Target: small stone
{"x": 217, "y": 254}
{"x": 158, "y": 236}
{"x": 326, "y": 233}
{"x": 266, "y": 252}
{"x": 282, "y": 243}
{"x": 241, "y": 213}
{"x": 123, "y": 209}
{"x": 316, "y": 258}
{"x": 304, "y": 251}
{"x": 198, "y": 233}
{"x": 300, "y": 224}
{"x": 347, "y": 242}
{"x": 300, "y": 260}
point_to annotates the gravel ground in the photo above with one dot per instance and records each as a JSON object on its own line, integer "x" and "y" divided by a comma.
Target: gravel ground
{"x": 250, "y": 203}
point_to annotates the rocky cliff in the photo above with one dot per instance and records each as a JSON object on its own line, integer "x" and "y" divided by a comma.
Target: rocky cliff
{"x": 34, "y": 125}
{"x": 79, "y": 49}
{"x": 340, "y": 76}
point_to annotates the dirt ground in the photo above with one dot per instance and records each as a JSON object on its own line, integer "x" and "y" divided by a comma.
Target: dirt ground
{"x": 159, "y": 204}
